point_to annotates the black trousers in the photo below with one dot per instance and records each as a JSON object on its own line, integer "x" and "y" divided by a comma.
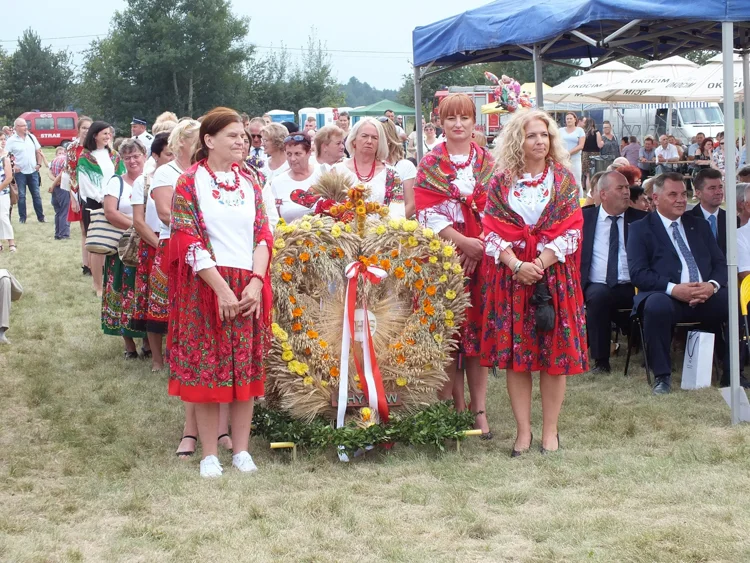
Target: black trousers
{"x": 660, "y": 313}
{"x": 602, "y": 303}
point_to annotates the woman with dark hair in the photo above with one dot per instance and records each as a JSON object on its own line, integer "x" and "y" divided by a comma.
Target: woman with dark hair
{"x": 118, "y": 302}
{"x": 591, "y": 147}
{"x": 220, "y": 289}
{"x": 299, "y": 178}
{"x": 97, "y": 163}
{"x": 69, "y": 182}
{"x": 449, "y": 194}
{"x": 533, "y": 318}
{"x": 704, "y": 154}
{"x": 147, "y": 225}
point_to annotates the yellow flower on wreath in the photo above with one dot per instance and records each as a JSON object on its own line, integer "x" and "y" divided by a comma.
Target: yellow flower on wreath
{"x": 366, "y": 413}
{"x": 305, "y": 225}
{"x": 433, "y": 259}
{"x": 438, "y": 338}
{"x": 428, "y": 233}
{"x": 443, "y": 279}
{"x": 336, "y": 231}
{"x": 447, "y": 266}
{"x": 448, "y": 251}
{"x": 287, "y": 355}
{"x": 279, "y": 243}
{"x": 279, "y": 333}
{"x": 410, "y": 226}
{"x": 434, "y": 246}
{"x": 308, "y": 380}
{"x": 348, "y": 228}
{"x": 449, "y": 315}
{"x": 457, "y": 269}
{"x": 450, "y": 294}
{"x": 286, "y": 346}
{"x": 413, "y": 241}
{"x": 448, "y": 323}
{"x": 401, "y": 381}
{"x": 380, "y": 230}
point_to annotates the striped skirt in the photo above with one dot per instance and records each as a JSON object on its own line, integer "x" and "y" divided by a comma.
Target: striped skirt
{"x": 146, "y": 255}
{"x": 157, "y": 313}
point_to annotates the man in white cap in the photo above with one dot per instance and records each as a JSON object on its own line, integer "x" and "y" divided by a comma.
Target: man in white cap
{"x": 138, "y": 130}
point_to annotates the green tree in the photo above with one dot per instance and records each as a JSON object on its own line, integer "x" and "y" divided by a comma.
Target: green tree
{"x": 358, "y": 93}
{"x": 186, "y": 56}
{"x": 34, "y": 77}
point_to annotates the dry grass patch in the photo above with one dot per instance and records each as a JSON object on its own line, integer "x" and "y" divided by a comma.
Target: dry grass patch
{"x": 88, "y": 471}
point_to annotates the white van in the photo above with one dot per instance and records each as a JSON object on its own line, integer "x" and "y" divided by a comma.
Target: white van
{"x": 688, "y": 119}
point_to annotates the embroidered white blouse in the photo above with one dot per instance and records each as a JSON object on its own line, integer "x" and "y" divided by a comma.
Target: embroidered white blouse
{"x": 438, "y": 219}
{"x": 229, "y": 217}
{"x": 529, "y": 202}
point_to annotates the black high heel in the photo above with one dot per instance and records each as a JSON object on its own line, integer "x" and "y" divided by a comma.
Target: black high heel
{"x": 484, "y": 435}
{"x": 518, "y": 453}
{"x": 545, "y": 451}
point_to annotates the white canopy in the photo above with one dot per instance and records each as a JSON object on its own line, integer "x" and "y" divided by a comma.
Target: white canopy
{"x": 705, "y": 84}
{"x": 639, "y": 85}
{"x": 578, "y": 89}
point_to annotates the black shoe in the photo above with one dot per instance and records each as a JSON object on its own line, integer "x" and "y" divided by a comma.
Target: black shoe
{"x": 519, "y": 453}
{"x": 601, "y": 367}
{"x": 86, "y": 270}
{"x": 131, "y": 355}
{"x": 544, "y": 451}
{"x": 662, "y": 385}
{"x": 42, "y": 220}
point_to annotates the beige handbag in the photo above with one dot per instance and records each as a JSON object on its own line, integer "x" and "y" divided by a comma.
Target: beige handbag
{"x": 131, "y": 240}
{"x": 102, "y": 236}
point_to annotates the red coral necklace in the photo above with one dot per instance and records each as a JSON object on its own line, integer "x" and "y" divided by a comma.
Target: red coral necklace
{"x": 370, "y": 176}
{"x": 468, "y": 160}
{"x": 539, "y": 181}
{"x": 224, "y": 185}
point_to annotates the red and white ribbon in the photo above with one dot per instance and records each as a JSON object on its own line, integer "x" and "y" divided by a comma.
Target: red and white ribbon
{"x": 373, "y": 388}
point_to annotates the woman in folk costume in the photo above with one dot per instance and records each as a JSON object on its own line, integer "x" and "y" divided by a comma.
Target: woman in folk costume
{"x": 220, "y": 289}
{"x": 70, "y": 183}
{"x": 450, "y": 193}
{"x": 97, "y": 163}
{"x": 533, "y": 317}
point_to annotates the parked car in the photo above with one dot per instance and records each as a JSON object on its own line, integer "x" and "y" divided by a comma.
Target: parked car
{"x": 52, "y": 129}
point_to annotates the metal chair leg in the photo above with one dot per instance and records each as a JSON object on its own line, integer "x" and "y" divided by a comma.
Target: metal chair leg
{"x": 630, "y": 346}
{"x": 645, "y": 351}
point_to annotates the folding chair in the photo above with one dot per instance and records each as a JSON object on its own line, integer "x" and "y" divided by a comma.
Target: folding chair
{"x": 744, "y": 299}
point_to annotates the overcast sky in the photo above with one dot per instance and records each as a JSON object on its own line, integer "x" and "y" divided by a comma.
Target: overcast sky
{"x": 381, "y": 29}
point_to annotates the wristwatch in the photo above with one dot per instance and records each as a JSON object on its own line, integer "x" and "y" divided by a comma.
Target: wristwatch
{"x": 716, "y": 286}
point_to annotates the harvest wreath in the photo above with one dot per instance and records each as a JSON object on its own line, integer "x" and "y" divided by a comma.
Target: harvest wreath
{"x": 384, "y": 294}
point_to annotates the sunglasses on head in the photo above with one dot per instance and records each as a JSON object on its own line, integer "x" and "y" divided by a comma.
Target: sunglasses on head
{"x": 382, "y": 119}
{"x": 297, "y": 138}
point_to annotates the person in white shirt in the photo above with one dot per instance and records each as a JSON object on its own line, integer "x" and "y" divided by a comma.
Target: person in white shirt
{"x": 664, "y": 154}
{"x": 405, "y": 169}
{"x": 10, "y": 290}
{"x": 27, "y": 154}
{"x": 400, "y": 130}
{"x": 301, "y": 175}
{"x": 147, "y": 224}
{"x": 117, "y": 305}
{"x": 709, "y": 189}
{"x": 6, "y": 177}
{"x": 257, "y": 156}
{"x": 329, "y": 145}
{"x": 604, "y": 264}
{"x": 138, "y": 130}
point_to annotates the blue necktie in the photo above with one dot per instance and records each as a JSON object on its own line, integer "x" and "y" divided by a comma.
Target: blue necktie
{"x": 686, "y": 254}
{"x": 714, "y": 226}
{"x": 614, "y": 251}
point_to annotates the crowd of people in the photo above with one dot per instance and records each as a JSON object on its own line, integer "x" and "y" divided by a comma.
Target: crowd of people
{"x": 547, "y": 274}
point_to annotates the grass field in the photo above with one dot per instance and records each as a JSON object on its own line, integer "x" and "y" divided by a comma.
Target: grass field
{"x": 88, "y": 473}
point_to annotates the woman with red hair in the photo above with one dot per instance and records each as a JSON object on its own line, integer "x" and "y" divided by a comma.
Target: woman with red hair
{"x": 450, "y": 192}
{"x": 632, "y": 174}
{"x": 219, "y": 289}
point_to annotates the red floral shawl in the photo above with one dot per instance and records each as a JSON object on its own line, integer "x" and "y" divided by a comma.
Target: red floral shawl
{"x": 562, "y": 213}
{"x": 434, "y": 185}
{"x": 189, "y": 233}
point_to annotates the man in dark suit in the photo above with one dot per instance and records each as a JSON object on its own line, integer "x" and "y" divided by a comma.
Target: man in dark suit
{"x": 604, "y": 263}
{"x": 709, "y": 189}
{"x": 680, "y": 272}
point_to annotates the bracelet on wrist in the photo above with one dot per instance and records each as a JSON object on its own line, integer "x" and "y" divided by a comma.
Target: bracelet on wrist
{"x": 518, "y": 267}
{"x": 254, "y": 276}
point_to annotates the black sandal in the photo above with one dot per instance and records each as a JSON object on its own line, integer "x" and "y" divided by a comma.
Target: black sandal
{"x": 519, "y": 453}
{"x": 484, "y": 435}
{"x": 225, "y": 436}
{"x": 145, "y": 354}
{"x": 184, "y": 454}
{"x": 131, "y": 355}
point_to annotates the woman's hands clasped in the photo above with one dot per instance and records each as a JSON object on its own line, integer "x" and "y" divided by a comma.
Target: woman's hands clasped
{"x": 229, "y": 306}
{"x": 472, "y": 252}
{"x": 529, "y": 273}
{"x": 251, "y": 299}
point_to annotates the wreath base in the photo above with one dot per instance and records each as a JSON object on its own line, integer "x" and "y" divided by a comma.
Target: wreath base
{"x": 429, "y": 426}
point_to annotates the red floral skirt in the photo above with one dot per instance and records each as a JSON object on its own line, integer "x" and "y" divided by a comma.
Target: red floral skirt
{"x": 72, "y": 215}
{"x": 510, "y": 340}
{"x": 212, "y": 361}
{"x": 157, "y": 312}
{"x": 470, "y": 333}
{"x": 146, "y": 254}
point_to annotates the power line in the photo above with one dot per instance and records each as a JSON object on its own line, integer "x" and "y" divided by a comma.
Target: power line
{"x": 54, "y": 38}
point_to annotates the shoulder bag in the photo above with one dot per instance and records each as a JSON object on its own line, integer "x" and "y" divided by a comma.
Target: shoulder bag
{"x": 103, "y": 237}
{"x": 131, "y": 240}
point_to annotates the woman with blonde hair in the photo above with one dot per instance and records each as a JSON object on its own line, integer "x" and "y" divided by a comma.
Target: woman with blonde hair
{"x": 329, "y": 145}
{"x": 272, "y": 137}
{"x": 368, "y": 147}
{"x": 449, "y": 197}
{"x": 406, "y": 170}
{"x": 533, "y": 318}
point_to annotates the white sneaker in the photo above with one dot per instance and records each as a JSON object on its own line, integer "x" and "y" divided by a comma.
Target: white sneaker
{"x": 244, "y": 462}
{"x": 210, "y": 467}
{"x": 3, "y": 338}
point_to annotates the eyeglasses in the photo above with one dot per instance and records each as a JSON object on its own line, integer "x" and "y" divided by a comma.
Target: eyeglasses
{"x": 255, "y": 136}
{"x": 722, "y": 143}
{"x": 132, "y": 157}
{"x": 297, "y": 138}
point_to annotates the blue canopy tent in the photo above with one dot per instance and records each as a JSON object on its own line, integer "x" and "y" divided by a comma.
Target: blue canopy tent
{"x": 597, "y": 32}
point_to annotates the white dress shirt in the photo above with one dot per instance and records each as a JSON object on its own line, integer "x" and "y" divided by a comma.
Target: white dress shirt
{"x": 600, "y": 256}
{"x": 668, "y": 153}
{"x": 706, "y": 215}
{"x": 685, "y": 275}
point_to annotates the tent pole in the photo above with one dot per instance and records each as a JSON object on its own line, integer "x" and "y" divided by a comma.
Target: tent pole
{"x": 418, "y": 112}
{"x": 746, "y": 95}
{"x": 730, "y": 186}
{"x": 669, "y": 118}
{"x": 538, "y": 79}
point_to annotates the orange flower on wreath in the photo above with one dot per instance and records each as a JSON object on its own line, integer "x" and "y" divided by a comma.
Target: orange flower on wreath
{"x": 286, "y": 276}
{"x": 431, "y": 290}
{"x": 304, "y": 256}
{"x": 408, "y": 263}
{"x": 289, "y": 260}
{"x": 297, "y": 312}
{"x": 311, "y": 334}
{"x": 385, "y": 264}
{"x": 333, "y": 372}
{"x": 429, "y": 308}
{"x": 433, "y": 327}
{"x": 423, "y": 320}
{"x": 419, "y": 284}
{"x": 399, "y": 273}
{"x": 411, "y": 341}
{"x": 292, "y": 300}
{"x": 296, "y": 327}
{"x": 401, "y": 359}
{"x": 394, "y": 253}
{"x": 417, "y": 268}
